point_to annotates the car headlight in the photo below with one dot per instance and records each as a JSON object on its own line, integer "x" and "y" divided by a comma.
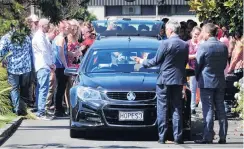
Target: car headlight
{"x": 85, "y": 93}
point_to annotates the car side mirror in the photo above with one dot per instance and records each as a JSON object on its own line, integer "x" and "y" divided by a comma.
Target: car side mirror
{"x": 71, "y": 71}
{"x": 190, "y": 72}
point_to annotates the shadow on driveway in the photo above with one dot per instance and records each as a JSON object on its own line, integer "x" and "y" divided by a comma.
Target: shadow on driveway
{"x": 57, "y": 145}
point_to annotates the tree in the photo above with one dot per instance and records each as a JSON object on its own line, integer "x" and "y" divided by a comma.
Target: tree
{"x": 61, "y": 9}
{"x": 15, "y": 11}
{"x": 223, "y": 12}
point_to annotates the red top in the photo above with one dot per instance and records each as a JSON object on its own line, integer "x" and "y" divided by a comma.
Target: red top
{"x": 72, "y": 47}
{"x": 87, "y": 42}
{"x": 192, "y": 50}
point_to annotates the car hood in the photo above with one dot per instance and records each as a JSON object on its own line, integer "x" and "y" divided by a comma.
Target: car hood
{"x": 120, "y": 81}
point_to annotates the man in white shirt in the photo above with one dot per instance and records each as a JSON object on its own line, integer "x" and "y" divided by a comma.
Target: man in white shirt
{"x": 43, "y": 63}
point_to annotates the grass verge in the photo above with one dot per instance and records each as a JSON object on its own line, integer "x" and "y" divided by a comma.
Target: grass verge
{"x": 6, "y": 119}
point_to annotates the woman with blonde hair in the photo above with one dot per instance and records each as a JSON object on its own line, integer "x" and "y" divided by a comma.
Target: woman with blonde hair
{"x": 73, "y": 44}
{"x": 73, "y": 55}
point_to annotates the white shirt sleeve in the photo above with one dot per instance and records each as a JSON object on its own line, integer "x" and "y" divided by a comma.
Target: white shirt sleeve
{"x": 41, "y": 51}
{"x": 43, "y": 46}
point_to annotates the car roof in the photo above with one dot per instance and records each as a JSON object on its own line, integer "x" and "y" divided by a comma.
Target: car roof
{"x": 131, "y": 21}
{"x": 126, "y": 42}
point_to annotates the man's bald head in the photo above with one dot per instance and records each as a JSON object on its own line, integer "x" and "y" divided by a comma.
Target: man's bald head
{"x": 43, "y": 25}
{"x": 43, "y": 22}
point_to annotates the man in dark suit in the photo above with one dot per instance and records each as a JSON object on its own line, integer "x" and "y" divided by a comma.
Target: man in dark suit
{"x": 172, "y": 57}
{"x": 212, "y": 57}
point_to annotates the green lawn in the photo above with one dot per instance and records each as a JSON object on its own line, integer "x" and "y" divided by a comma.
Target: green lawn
{"x": 6, "y": 119}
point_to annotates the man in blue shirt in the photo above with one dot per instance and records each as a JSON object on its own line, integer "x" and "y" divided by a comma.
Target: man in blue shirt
{"x": 18, "y": 68}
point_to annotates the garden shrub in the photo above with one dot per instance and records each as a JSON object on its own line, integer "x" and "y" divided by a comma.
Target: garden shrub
{"x": 5, "y": 102}
{"x": 240, "y": 97}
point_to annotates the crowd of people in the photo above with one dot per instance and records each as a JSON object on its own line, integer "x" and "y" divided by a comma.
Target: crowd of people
{"x": 190, "y": 32}
{"x": 206, "y": 50}
{"x": 36, "y": 67}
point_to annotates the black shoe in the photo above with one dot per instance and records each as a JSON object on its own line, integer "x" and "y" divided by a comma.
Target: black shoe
{"x": 30, "y": 105}
{"x": 21, "y": 113}
{"x": 179, "y": 142}
{"x": 203, "y": 142}
{"x": 60, "y": 114}
{"x": 193, "y": 112}
{"x": 33, "y": 110}
{"x": 45, "y": 117}
{"x": 50, "y": 112}
{"x": 222, "y": 141}
{"x": 161, "y": 141}
{"x": 67, "y": 112}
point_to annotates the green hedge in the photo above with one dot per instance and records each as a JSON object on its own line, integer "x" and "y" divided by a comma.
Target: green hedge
{"x": 5, "y": 104}
{"x": 240, "y": 97}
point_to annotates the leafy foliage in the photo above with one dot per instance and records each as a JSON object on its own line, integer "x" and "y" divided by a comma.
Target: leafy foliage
{"x": 5, "y": 103}
{"x": 240, "y": 98}
{"x": 13, "y": 13}
{"x": 82, "y": 13}
{"x": 57, "y": 10}
{"x": 224, "y": 12}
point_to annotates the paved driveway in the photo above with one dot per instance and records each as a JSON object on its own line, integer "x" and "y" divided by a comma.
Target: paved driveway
{"x": 55, "y": 134}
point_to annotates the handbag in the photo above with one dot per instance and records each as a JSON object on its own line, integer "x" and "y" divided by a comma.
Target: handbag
{"x": 239, "y": 72}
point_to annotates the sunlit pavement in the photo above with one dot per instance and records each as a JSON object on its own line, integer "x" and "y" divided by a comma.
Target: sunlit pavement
{"x": 55, "y": 134}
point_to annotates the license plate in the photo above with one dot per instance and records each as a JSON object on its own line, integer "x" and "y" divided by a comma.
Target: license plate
{"x": 131, "y": 116}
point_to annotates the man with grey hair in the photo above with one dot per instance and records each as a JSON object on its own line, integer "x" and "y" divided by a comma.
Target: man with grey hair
{"x": 172, "y": 57}
{"x": 43, "y": 62}
{"x": 32, "y": 22}
{"x": 29, "y": 89}
{"x": 212, "y": 57}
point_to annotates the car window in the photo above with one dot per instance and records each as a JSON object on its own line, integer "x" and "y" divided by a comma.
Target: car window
{"x": 121, "y": 60}
{"x": 144, "y": 28}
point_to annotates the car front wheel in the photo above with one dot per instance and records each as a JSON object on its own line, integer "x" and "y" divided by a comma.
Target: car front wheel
{"x": 77, "y": 133}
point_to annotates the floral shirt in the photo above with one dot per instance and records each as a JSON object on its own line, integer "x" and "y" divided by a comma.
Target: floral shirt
{"x": 19, "y": 59}
{"x": 72, "y": 48}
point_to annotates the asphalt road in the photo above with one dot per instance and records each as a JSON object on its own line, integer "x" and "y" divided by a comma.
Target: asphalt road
{"x": 55, "y": 134}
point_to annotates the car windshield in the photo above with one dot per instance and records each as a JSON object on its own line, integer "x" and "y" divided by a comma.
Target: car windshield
{"x": 119, "y": 60}
{"x": 121, "y": 27}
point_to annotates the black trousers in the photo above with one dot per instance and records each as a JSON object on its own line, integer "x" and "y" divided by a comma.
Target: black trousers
{"x": 61, "y": 85}
{"x": 30, "y": 88}
{"x": 169, "y": 97}
{"x": 25, "y": 88}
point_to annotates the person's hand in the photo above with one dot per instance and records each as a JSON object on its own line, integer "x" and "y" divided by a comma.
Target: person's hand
{"x": 53, "y": 67}
{"x": 229, "y": 70}
{"x": 4, "y": 63}
{"x": 78, "y": 53}
{"x": 184, "y": 93}
{"x": 82, "y": 48}
{"x": 137, "y": 60}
